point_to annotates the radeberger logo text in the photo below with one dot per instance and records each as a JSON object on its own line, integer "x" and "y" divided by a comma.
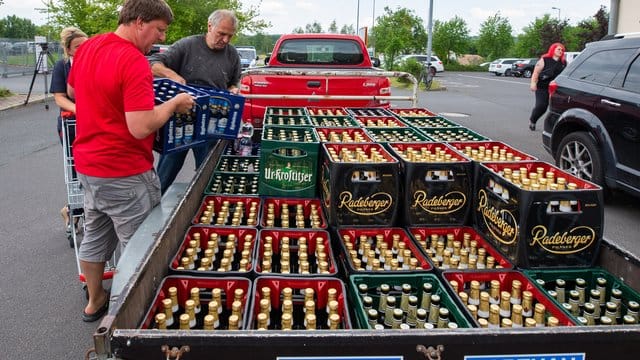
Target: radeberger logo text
{"x": 443, "y": 204}
{"x": 501, "y": 223}
{"x": 288, "y": 175}
{"x": 568, "y": 242}
{"x": 370, "y": 205}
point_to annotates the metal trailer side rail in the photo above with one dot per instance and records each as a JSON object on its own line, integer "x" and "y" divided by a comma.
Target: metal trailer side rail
{"x": 145, "y": 262}
{"x": 333, "y": 73}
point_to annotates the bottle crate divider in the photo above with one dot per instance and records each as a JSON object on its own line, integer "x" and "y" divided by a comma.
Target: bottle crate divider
{"x": 185, "y": 283}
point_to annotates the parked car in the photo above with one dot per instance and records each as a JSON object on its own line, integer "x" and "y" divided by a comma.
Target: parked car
{"x": 523, "y": 67}
{"x": 592, "y": 125}
{"x": 248, "y": 56}
{"x": 502, "y": 66}
{"x": 436, "y": 63}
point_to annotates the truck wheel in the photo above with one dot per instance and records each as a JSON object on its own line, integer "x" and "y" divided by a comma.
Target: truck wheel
{"x": 507, "y": 72}
{"x": 579, "y": 155}
{"x": 527, "y": 73}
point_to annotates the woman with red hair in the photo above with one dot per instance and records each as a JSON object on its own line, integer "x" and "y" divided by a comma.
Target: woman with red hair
{"x": 547, "y": 68}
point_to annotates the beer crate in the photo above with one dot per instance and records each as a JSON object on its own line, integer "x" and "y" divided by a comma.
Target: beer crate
{"x": 333, "y": 121}
{"x": 369, "y": 111}
{"x": 295, "y": 292}
{"x": 571, "y": 289}
{"x": 228, "y": 288}
{"x": 238, "y": 164}
{"x": 406, "y": 134}
{"x": 429, "y": 122}
{"x": 411, "y": 112}
{"x": 225, "y": 114}
{"x": 231, "y": 150}
{"x": 437, "y": 184}
{"x": 459, "y": 133}
{"x": 231, "y": 252}
{"x": 359, "y": 191}
{"x": 391, "y": 247}
{"x": 223, "y": 210}
{"x": 428, "y": 293}
{"x": 287, "y": 211}
{"x": 342, "y": 135}
{"x": 181, "y": 130}
{"x": 535, "y": 227}
{"x": 294, "y": 252}
{"x": 232, "y": 184}
{"x": 458, "y": 248}
{"x": 379, "y": 122}
{"x": 490, "y": 151}
{"x": 497, "y": 288}
{"x": 289, "y": 161}
{"x": 326, "y": 111}
{"x": 286, "y": 116}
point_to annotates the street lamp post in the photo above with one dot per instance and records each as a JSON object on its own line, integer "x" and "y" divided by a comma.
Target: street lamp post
{"x": 557, "y": 8}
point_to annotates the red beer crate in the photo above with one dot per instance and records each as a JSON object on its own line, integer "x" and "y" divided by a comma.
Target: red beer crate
{"x": 294, "y": 253}
{"x": 412, "y": 112}
{"x": 539, "y": 224}
{"x": 490, "y": 151}
{"x": 229, "y": 289}
{"x": 321, "y": 111}
{"x": 462, "y": 282}
{"x": 437, "y": 183}
{"x": 295, "y": 292}
{"x": 362, "y": 189}
{"x": 287, "y": 211}
{"x": 458, "y": 248}
{"x": 342, "y": 135}
{"x": 392, "y": 250}
{"x": 221, "y": 210}
{"x": 228, "y": 250}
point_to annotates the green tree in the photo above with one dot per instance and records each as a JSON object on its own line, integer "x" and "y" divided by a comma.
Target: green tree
{"x": 333, "y": 27}
{"x": 495, "y": 38}
{"x": 592, "y": 29}
{"x": 398, "y": 32}
{"x": 450, "y": 37}
{"x": 539, "y": 35}
{"x": 347, "y": 29}
{"x": 314, "y": 28}
{"x": 17, "y": 28}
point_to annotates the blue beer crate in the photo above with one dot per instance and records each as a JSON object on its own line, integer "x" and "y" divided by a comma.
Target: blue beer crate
{"x": 224, "y": 117}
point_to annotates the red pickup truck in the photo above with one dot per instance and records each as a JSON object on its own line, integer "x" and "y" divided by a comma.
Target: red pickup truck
{"x": 314, "y": 70}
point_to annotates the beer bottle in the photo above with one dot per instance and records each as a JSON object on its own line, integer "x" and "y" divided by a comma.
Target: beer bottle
{"x": 505, "y": 304}
{"x": 173, "y": 295}
{"x": 474, "y": 293}
{"x": 426, "y": 295}
{"x": 605, "y": 320}
{"x": 168, "y": 312}
{"x": 494, "y": 292}
{"x": 208, "y": 323}
{"x": 234, "y": 322}
{"x": 434, "y": 309}
{"x": 516, "y": 315}
{"x": 388, "y": 312}
{"x": 372, "y": 317}
{"x": 527, "y": 304}
{"x": 214, "y": 310}
{"x": 404, "y": 299}
{"x": 184, "y": 322}
{"x": 494, "y": 316}
{"x": 263, "y": 321}
{"x": 484, "y": 307}
{"x": 161, "y": 321}
{"x": 382, "y": 303}
{"x": 516, "y": 293}
{"x": 538, "y": 314}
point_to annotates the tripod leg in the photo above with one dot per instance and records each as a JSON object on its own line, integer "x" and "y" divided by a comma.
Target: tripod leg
{"x": 33, "y": 79}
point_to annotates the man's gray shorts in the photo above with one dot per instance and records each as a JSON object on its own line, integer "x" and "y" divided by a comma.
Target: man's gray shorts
{"x": 114, "y": 208}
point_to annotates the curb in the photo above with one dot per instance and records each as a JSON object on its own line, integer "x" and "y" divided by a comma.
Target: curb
{"x": 17, "y": 100}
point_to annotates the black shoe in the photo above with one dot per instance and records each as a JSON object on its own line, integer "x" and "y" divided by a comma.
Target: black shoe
{"x": 96, "y": 315}
{"x": 532, "y": 126}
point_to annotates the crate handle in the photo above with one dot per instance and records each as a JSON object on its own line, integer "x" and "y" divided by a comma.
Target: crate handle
{"x": 431, "y": 353}
{"x": 174, "y": 352}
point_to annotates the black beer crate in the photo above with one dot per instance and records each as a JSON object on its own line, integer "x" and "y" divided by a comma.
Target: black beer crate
{"x": 405, "y": 134}
{"x": 289, "y": 161}
{"x": 231, "y": 252}
{"x": 535, "y": 227}
{"x": 285, "y": 211}
{"x": 225, "y": 114}
{"x": 389, "y": 246}
{"x": 342, "y": 135}
{"x": 369, "y": 111}
{"x": 228, "y": 287}
{"x": 322, "y": 292}
{"x": 437, "y": 184}
{"x": 181, "y": 130}
{"x": 459, "y": 282}
{"x": 380, "y": 122}
{"x": 221, "y": 210}
{"x": 429, "y": 122}
{"x": 611, "y": 289}
{"x": 359, "y": 191}
{"x": 451, "y": 134}
{"x": 238, "y": 164}
{"x": 293, "y": 247}
{"x": 375, "y": 287}
{"x": 232, "y": 184}
{"x": 411, "y": 112}
{"x": 458, "y": 248}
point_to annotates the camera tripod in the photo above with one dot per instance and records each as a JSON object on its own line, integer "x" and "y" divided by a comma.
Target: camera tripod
{"x": 44, "y": 55}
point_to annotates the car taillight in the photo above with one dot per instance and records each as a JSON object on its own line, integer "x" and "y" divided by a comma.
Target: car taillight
{"x": 553, "y": 86}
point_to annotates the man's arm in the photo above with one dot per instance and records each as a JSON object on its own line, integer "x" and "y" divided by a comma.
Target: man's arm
{"x": 161, "y": 70}
{"x": 144, "y": 123}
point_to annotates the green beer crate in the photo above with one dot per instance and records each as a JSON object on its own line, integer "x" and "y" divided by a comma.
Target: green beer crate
{"x": 406, "y": 134}
{"x": 342, "y": 135}
{"x": 371, "y": 286}
{"x": 571, "y": 289}
{"x": 333, "y": 121}
{"x": 380, "y": 122}
{"x": 429, "y": 122}
{"x": 451, "y": 134}
{"x": 286, "y": 116}
{"x": 232, "y": 183}
{"x": 289, "y": 161}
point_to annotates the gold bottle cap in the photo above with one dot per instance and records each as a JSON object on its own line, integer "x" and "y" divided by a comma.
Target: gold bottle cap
{"x": 234, "y": 322}
{"x": 161, "y": 321}
{"x": 184, "y": 322}
{"x": 529, "y": 322}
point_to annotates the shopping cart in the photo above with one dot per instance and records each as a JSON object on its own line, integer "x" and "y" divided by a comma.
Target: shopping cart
{"x": 75, "y": 197}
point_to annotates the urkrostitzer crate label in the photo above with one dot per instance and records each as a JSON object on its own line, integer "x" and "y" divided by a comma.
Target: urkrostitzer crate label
{"x": 567, "y": 356}
{"x": 500, "y": 222}
{"x": 572, "y": 241}
{"x": 442, "y": 204}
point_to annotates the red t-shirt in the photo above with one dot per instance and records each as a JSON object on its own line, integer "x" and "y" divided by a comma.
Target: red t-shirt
{"x": 110, "y": 76}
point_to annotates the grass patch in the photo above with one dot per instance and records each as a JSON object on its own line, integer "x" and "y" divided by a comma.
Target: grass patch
{"x": 395, "y": 82}
{"x": 4, "y": 92}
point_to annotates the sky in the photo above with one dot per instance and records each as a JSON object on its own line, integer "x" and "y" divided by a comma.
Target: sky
{"x": 286, "y": 15}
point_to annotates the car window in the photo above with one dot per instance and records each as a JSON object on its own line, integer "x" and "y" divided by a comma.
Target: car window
{"x": 320, "y": 52}
{"x": 632, "y": 81}
{"x": 602, "y": 67}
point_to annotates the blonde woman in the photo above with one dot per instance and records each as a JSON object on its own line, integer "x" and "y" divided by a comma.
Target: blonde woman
{"x": 70, "y": 38}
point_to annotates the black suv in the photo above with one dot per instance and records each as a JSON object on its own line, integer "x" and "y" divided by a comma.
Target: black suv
{"x": 523, "y": 67}
{"x": 592, "y": 125}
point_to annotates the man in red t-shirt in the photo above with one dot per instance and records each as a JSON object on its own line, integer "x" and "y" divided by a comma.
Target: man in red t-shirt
{"x": 116, "y": 121}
